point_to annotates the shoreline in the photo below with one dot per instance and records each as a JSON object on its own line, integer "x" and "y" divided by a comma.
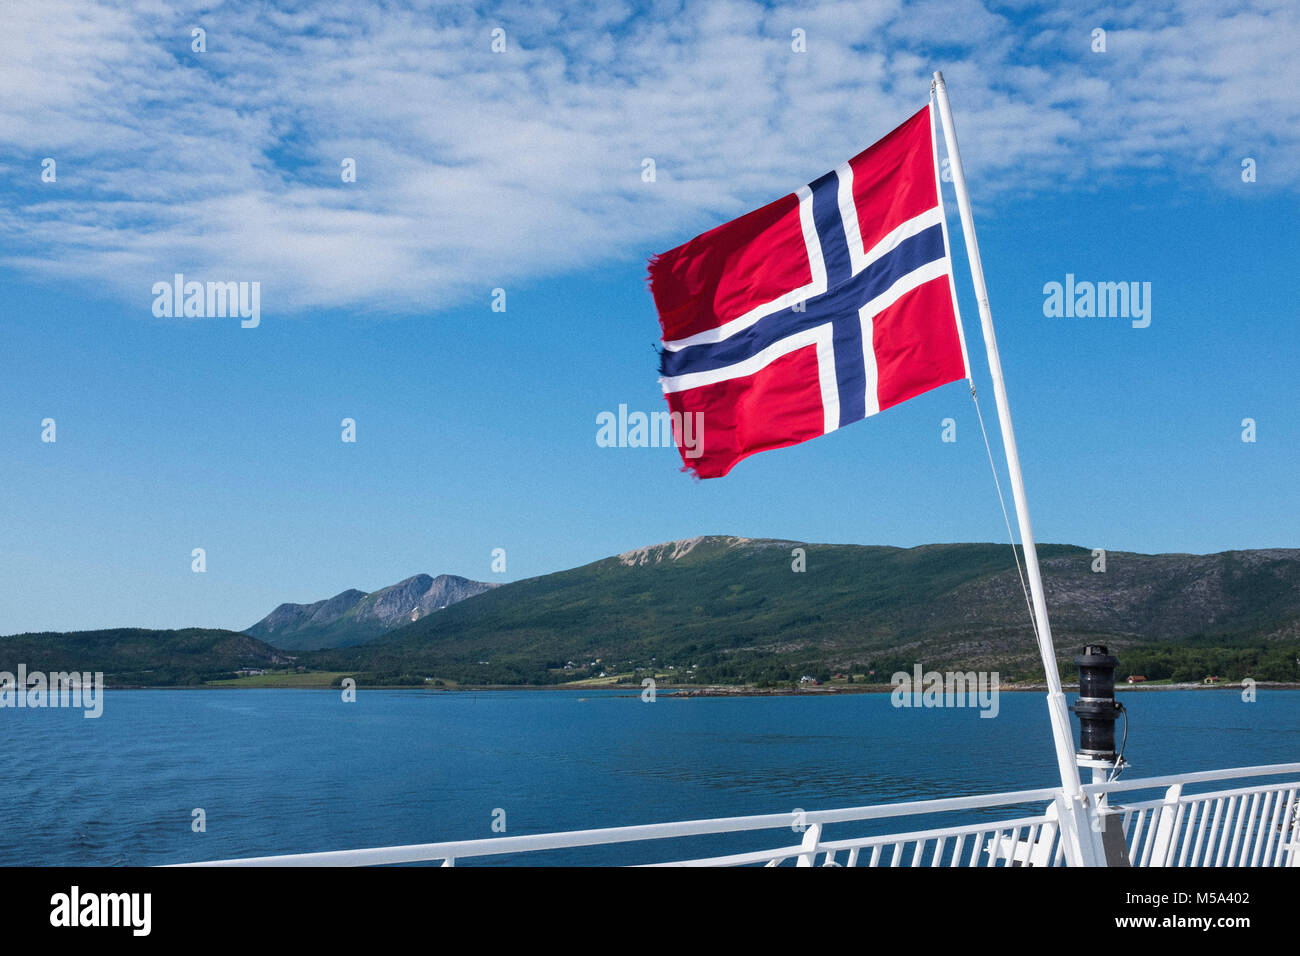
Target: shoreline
{"x": 724, "y": 691}
{"x": 690, "y": 691}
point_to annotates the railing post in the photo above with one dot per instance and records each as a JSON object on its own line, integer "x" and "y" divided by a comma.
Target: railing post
{"x": 1164, "y": 840}
{"x": 1081, "y": 823}
{"x": 1096, "y": 815}
{"x": 1290, "y": 837}
{"x": 808, "y": 849}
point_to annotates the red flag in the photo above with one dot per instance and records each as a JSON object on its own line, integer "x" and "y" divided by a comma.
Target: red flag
{"x": 814, "y": 311}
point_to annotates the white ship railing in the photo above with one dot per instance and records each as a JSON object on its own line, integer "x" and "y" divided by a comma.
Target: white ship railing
{"x": 1243, "y": 826}
{"x": 1253, "y": 825}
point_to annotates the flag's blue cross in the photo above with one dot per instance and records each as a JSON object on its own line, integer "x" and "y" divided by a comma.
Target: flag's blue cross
{"x": 845, "y": 295}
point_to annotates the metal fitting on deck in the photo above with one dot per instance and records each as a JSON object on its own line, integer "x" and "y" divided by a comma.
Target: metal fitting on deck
{"x": 1096, "y": 707}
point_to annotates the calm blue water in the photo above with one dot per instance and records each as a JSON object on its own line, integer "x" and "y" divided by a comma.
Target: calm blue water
{"x": 280, "y": 771}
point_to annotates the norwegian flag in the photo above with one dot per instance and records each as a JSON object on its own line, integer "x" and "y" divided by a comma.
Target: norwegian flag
{"x": 814, "y": 311}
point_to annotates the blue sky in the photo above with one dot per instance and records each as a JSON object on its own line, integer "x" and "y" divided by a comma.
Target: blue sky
{"x": 522, "y": 170}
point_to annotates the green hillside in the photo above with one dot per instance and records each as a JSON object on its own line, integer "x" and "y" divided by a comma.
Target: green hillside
{"x": 734, "y": 610}
{"x": 140, "y": 657}
{"x": 731, "y": 609}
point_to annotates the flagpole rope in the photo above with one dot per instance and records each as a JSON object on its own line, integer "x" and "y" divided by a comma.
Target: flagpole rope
{"x": 997, "y": 483}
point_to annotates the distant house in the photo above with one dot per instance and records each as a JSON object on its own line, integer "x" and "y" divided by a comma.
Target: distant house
{"x": 251, "y": 671}
{"x": 1211, "y": 680}
{"x": 1136, "y": 679}
{"x": 810, "y": 680}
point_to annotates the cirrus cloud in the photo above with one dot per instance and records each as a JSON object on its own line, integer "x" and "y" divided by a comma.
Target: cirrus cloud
{"x": 478, "y": 169}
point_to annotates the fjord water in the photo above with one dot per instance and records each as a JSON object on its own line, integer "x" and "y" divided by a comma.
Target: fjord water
{"x": 286, "y": 771}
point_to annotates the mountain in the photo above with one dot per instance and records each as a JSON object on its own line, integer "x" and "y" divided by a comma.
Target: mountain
{"x": 354, "y": 617}
{"x": 734, "y": 609}
{"x": 726, "y": 610}
{"x": 136, "y": 656}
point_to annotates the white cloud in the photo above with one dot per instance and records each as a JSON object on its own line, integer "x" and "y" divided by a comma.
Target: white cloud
{"x": 477, "y": 169}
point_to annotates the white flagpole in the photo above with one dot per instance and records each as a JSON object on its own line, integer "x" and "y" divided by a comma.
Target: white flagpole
{"x": 1084, "y": 849}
